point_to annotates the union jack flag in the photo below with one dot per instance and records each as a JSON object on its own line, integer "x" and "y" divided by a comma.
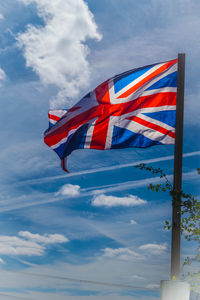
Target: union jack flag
{"x": 134, "y": 109}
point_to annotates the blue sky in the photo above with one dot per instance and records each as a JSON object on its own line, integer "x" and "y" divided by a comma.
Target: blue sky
{"x": 99, "y": 223}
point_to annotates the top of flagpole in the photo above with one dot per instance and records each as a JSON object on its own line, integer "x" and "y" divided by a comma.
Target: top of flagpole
{"x": 179, "y": 122}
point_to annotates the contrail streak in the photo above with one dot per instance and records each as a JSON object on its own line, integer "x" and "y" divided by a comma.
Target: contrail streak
{"x": 104, "y": 169}
{"x": 108, "y": 284}
{"x": 42, "y": 199}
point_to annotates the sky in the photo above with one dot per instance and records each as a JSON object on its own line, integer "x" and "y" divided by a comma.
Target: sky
{"x": 96, "y": 233}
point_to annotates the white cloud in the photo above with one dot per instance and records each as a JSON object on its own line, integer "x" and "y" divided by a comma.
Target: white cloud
{"x": 57, "y": 51}
{"x": 121, "y": 253}
{"x": 44, "y": 239}
{"x": 28, "y": 244}
{"x": 133, "y": 222}
{"x": 110, "y": 201}
{"x": 69, "y": 190}
{"x": 12, "y": 245}
{"x": 1, "y": 17}
{"x": 2, "y": 75}
{"x": 154, "y": 248}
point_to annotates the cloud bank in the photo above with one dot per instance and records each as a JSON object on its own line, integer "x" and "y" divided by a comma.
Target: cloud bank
{"x": 44, "y": 239}
{"x": 154, "y": 248}
{"x": 122, "y": 254}
{"x": 57, "y": 52}
{"x": 28, "y": 244}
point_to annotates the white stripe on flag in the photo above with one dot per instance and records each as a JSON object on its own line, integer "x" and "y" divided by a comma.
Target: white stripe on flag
{"x": 89, "y": 134}
{"x": 140, "y": 92}
{"x": 154, "y": 121}
{"x": 146, "y": 131}
{"x": 134, "y": 82}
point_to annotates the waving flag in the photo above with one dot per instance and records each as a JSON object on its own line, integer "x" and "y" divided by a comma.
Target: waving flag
{"x": 134, "y": 109}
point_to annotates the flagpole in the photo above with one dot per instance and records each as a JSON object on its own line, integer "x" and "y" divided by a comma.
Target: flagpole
{"x": 177, "y": 184}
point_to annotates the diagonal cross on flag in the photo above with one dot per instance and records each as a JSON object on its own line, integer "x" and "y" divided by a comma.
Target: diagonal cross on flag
{"x": 134, "y": 109}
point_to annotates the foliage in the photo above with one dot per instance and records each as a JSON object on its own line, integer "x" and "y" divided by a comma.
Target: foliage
{"x": 188, "y": 204}
{"x": 189, "y": 208}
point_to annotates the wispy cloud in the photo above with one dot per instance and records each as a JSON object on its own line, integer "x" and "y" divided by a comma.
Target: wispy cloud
{"x": 122, "y": 254}
{"x": 57, "y": 52}
{"x": 1, "y": 17}
{"x": 127, "y": 185}
{"x": 42, "y": 198}
{"x": 155, "y": 249}
{"x": 69, "y": 190}
{"x": 28, "y": 244}
{"x": 105, "y": 169}
{"x": 110, "y": 201}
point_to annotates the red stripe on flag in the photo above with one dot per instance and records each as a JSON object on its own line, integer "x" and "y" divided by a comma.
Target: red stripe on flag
{"x": 55, "y": 139}
{"x": 104, "y": 111}
{"x": 153, "y": 126}
{"x": 100, "y": 133}
{"x": 148, "y": 78}
{"x": 150, "y": 101}
{"x": 54, "y": 135}
{"x": 63, "y": 164}
{"x": 102, "y": 93}
{"x": 53, "y": 117}
{"x": 74, "y": 108}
